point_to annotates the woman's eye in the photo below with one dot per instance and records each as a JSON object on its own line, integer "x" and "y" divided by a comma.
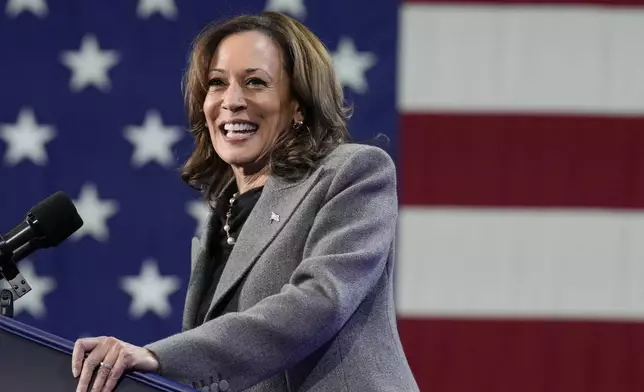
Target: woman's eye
{"x": 215, "y": 82}
{"x": 256, "y": 81}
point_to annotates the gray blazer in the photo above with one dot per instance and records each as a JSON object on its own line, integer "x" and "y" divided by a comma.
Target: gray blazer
{"x": 316, "y": 302}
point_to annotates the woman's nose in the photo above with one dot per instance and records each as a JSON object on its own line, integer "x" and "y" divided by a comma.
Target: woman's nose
{"x": 234, "y": 98}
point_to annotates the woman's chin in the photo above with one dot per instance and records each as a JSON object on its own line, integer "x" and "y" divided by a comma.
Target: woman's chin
{"x": 237, "y": 159}
{"x": 241, "y": 155}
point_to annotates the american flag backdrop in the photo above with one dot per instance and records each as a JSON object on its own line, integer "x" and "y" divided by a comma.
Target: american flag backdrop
{"x": 518, "y": 132}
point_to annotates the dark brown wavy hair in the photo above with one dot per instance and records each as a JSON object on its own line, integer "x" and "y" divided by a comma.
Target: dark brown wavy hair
{"x": 313, "y": 84}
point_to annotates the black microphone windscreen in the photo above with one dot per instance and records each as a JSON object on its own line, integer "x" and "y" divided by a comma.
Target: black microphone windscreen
{"x": 57, "y": 218}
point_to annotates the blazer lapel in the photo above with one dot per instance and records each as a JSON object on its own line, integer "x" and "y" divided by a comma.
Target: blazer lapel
{"x": 278, "y": 201}
{"x": 198, "y": 277}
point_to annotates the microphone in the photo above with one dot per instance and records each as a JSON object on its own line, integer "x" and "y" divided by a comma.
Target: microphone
{"x": 46, "y": 225}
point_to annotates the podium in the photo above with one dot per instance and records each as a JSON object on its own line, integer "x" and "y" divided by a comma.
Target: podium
{"x": 34, "y": 360}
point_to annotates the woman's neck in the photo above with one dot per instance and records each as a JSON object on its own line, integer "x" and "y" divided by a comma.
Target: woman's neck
{"x": 246, "y": 182}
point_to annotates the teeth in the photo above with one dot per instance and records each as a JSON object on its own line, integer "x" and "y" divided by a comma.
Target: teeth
{"x": 240, "y": 127}
{"x": 239, "y": 135}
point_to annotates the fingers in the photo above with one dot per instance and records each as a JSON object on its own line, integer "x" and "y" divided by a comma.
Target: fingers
{"x": 117, "y": 357}
{"x": 118, "y": 369}
{"x": 90, "y": 363}
{"x": 80, "y": 348}
{"x": 104, "y": 371}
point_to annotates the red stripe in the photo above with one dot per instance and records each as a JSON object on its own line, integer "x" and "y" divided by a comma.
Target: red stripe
{"x": 526, "y": 356}
{"x": 532, "y": 2}
{"x": 506, "y": 160}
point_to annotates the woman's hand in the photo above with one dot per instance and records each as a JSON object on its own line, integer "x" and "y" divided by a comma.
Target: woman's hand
{"x": 113, "y": 356}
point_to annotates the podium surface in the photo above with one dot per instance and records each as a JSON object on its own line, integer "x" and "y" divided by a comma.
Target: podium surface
{"x": 34, "y": 360}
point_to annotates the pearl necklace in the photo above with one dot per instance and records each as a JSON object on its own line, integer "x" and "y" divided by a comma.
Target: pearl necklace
{"x": 230, "y": 240}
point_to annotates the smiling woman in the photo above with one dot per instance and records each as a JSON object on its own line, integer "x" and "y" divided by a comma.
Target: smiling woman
{"x": 248, "y": 104}
{"x": 273, "y": 75}
{"x": 291, "y": 286}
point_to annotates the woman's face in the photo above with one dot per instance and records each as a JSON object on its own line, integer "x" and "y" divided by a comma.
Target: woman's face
{"x": 248, "y": 103}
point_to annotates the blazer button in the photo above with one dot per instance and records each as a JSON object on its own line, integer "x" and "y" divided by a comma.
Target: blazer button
{"x": 214, "y": 387}
{"x": 223, "y": 385}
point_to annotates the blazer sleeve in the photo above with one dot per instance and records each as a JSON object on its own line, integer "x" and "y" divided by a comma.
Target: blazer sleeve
{"x": 345, "y": 254}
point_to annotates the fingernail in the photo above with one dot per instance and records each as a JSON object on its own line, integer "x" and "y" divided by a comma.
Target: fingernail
{"x": 74, "y": 373}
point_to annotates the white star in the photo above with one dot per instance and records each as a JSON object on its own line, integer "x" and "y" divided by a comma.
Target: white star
{"x": 352, "y": 65}
{"x": 293, "y": 7}
{"x": 26, "y": 139}
{"x": 152, "y": 141}
{"x": 34, "y": 301}
{"x": 94, "y": 212}
{"x": 150, "y": 290}
{"x": 167, "y": 8}
{"x": 89, "y": 65}
{"x": 199, "y": 210}
{"x": 36, "y": 7}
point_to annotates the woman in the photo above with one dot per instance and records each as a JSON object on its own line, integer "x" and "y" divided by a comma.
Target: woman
{"x": 291, "y": 282}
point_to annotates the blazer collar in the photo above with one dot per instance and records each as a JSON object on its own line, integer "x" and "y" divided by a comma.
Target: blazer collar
{"x": 273, "y": 209}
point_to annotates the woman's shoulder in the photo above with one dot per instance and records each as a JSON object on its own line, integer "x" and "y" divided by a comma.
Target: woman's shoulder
{"x": 346, "y": 164}
{"x": 358, "y": 156}
{"x": 352, "y": 163}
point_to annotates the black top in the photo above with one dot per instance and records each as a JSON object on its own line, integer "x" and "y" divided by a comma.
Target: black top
{"x": 241, "y": 209}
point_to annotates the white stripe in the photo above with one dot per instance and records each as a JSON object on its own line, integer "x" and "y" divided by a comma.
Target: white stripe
{"x": 494, "y": 262}
{"x": 521, "y": 58}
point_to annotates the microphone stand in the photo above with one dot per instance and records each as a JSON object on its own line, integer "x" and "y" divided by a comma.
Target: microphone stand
{"x": 6, "y": 303}
{"x": 17, "y": 282}
{"x": 6, "y": 296}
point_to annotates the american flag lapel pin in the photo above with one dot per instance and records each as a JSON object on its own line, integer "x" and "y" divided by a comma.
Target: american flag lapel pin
{"x": 274, "y": 217}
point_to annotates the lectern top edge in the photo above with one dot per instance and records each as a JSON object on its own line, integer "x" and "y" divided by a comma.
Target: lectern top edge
{"x": 65, "y": 346}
